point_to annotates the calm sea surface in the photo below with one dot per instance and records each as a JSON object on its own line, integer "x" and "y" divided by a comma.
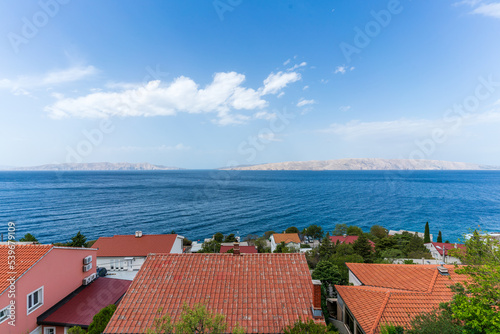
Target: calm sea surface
{"x": 55, "y": 205}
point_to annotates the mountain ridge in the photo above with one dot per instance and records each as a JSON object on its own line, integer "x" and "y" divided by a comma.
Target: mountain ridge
{"x": 93, "y": 166}
{"x": 367, "y": 164}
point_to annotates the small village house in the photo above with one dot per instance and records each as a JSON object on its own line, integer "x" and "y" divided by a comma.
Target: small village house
{"x": 122, "y": 253}
{"x": 261, "y": 292}
{"x": 439, "y": 251}
{"x": 348, "y": 239}
{"x": 390, "y": 294}
{"x": 36, "y": 278}
{"x": 291, "y": 240}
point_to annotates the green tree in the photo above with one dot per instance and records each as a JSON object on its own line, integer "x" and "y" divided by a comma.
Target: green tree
{"x": 78, "y": 240}
{"x": 436, "y": 321}
{"x": 440, "y": 237}
{"x": 29, "y": 237}
{"x": 101, "y": 319}
{"x": 193, "y": 320}
{"x": 211, "y": 246}
{"x": 415, "y": 248}
{"x": 218, "y": 237}
{"x": 282, "y": 248}
{"x": 427, "y": 234}
{"x": 326, "y": 248}
{"x": 391, "y": 329}
{"x": 76, "y": 330}
{"x": 309, "y": 327}
{"x": 262, "y": 245}
{"x": 327, "y": 273}
{"x": 268, "y": 234}
{"x": 314, "y": 231}
{"x": 354, "y": 230}
{"x": 363, "y": 248}
{"x": 477, "y": 300}
{"x": 340, "y": 229}
{"x": 230, "y": 238}
{"x": 391, "y": 254}
{"x": 378, "y": 231}
{"x": 292, "y": 229}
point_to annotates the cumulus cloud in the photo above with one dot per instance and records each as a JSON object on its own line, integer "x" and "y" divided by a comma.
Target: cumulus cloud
{"x": 277, "y": 81}
{"x": 303, "y": 102}
{"x": 224, "y": 96}
{"x": 491, "y": 9}
{"x": 296, "y": 66}
{"x": 22, "y": 84}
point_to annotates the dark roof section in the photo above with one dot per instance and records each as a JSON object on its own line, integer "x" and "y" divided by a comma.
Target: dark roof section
{"x": 80, "y": 306}
{"x": 243, "y": 249}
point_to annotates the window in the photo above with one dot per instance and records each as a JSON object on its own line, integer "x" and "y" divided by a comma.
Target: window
{"x": 4, "y": 314}
{"x": 49, "y": 330}
{"x": 35, "y": 300}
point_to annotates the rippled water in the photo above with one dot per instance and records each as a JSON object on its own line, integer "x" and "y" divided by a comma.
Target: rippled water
{"x": 55, "y": 205}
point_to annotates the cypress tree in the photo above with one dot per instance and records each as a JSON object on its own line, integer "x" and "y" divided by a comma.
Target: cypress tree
{"x": 427, "y": 235}
{"x": 440, "y": 237}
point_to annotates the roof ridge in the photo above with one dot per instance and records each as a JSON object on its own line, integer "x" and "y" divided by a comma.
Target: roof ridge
{"x": 379, "y": 316}
{"x": 433, "y": 282}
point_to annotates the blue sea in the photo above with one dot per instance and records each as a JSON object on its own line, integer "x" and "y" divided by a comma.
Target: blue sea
{"x": 54, "y": 206}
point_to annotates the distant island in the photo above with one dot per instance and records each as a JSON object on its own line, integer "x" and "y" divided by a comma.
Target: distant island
{"x": 94, "y": 166}
{"x": 367, "y": 164}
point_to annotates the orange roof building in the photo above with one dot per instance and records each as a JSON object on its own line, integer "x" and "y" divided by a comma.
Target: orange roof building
{"x": 128, "y": 252}
{"x": 292, "y": 240}
{"x": 261, "y": 292}
{"x": 392, "y": 294}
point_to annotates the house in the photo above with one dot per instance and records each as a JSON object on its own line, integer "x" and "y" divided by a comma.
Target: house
{"x": 420, "y": 234}
{"x": 391, "y": 294}
{"x": 243, "y": 249}
{"x": 128, "y": 252}
{"x": 291, "y": 240}
{"x": 80, "y": 306}
{"x": 348, "y": 239}
{"x": 261, "y": 292}
{"x": 439, "y": 251}
{"x": 34, "y": 278}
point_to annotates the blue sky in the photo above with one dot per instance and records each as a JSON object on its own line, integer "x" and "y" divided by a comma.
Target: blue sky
{"x": 204, "y": 84}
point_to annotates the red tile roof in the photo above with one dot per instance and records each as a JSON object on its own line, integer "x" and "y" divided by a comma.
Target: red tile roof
{"x": 447, "y": 246}
{"x": 79, "y": 308}
{"x": 243, "y": 249}
{"x": 129, "y": 245}
{"x": 286, "y": 238}
{"x": 25, "y": 257}
{"x": 262, "y": 292}
{"x": 395, "y": 293}
{"x": 349, "y": 239}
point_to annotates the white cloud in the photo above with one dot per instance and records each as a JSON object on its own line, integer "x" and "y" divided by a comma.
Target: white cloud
{"x": 407, "y": 128}
{"x": 344, "y": 108}
{"x": 342, "y": 69}
{"x": 492, "y": 10}
{"x": 265, "y": 115}
{"x": 303, "y": 102}
{"x": 287, "y": 62}
{"x": 305, "y": 87}
{"x": 161, "y": 148}
{"x": 280, "y": 95}
{"x": 296, "y": 66}
{"x": 276, "y": 82}
{"x": 22, "y": 84}
{"x": 268, "y": 137}
{"x": 223, "y": 95}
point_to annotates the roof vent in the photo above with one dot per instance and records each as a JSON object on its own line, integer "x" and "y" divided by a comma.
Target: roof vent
{"x": 138, "y": 234}
{"x": 442, "y": 270}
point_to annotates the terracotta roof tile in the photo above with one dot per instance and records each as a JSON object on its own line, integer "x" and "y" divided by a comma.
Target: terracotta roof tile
{"x": 25, "y": 257}
{"x": 286, "y": 238}
{"x": 261, "y": 292}
{"x": 129, "y": 245}
{"x": 388, "y": 295}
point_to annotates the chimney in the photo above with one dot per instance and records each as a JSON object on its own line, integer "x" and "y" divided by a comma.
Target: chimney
{"x": 455, "y": 245}
{"x": 138, "y": 234}
{"x": 236, "y": 248}
{"x": 316, "y": 307}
